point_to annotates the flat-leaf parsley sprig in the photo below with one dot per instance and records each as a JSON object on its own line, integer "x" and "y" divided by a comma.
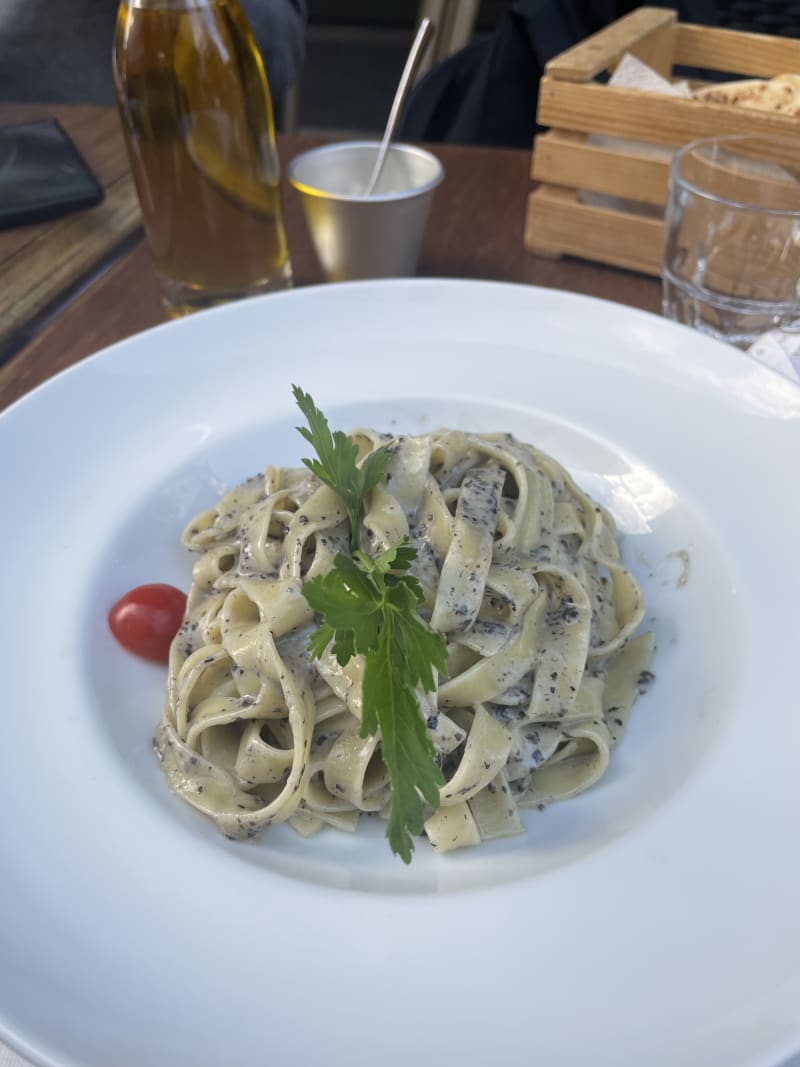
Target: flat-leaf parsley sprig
{"x": 370, "y": 607}
{"x": 336, "y": 464}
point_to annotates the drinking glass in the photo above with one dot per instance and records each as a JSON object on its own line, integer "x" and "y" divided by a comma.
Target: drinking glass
{"x": 731, "y": 265}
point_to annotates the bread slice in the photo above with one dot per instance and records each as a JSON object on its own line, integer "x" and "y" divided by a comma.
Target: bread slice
{"x": 780, "y": 94}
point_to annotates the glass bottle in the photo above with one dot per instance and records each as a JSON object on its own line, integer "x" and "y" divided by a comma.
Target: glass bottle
{"x": 197, "y": 118}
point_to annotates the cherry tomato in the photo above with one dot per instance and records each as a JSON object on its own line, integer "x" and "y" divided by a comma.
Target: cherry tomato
{"x": 147, "y": 618}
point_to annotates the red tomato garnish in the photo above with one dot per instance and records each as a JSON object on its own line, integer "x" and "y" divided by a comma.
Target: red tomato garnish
{"x": 147, "y": 618}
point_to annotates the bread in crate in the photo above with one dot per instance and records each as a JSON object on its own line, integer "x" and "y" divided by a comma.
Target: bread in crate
{"x": 575, "y": 105}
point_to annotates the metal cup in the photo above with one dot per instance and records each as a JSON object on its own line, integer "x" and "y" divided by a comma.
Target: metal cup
{"x": 358, "y": 236}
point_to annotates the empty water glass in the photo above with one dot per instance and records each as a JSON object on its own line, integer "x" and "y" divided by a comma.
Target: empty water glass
{"x": 731, "y": 264}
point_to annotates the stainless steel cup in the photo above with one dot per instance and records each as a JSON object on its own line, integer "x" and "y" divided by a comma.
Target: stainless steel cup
{"x": 357, "y": 236}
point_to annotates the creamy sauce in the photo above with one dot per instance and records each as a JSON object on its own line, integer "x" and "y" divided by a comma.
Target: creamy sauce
{"x": 522, "y": 574}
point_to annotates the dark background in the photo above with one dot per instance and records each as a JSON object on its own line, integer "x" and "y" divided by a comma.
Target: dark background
{"x": 355, "y": 50}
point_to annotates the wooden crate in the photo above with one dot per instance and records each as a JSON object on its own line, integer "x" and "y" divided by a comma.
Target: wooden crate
{"x": 575, "y": 105}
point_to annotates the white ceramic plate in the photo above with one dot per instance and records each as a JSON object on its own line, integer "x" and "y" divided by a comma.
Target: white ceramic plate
{"x": 652, "y": 921}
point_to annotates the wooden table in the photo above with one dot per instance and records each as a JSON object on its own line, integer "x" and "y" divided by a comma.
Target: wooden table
{"x": 71, "y": 287}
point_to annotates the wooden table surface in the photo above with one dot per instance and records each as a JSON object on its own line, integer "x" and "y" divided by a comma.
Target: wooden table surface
{"x": 78, "y": 284}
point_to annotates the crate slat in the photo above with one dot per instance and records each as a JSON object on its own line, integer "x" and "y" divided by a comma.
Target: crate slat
{"x": 651, "y": 117}
{"x": 646, "y": 33}
{"x": 558, "y": 225}
{"x": 750, "y": 55}
{"x": 560, "y": 156}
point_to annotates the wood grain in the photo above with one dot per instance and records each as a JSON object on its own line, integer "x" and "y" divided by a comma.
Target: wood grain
{"x": 44, "y": 268}
{"x": 97, "y": 135}
{"x": 99, "y": 317}
{"x": 40, "y": 264}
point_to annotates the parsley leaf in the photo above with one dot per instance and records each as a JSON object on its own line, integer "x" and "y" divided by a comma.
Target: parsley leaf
{"x": 370, "y": 607}
{"x": 337, "y": 462}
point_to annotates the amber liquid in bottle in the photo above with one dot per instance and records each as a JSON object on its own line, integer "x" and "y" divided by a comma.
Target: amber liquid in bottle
{"x": 197, "y": 118}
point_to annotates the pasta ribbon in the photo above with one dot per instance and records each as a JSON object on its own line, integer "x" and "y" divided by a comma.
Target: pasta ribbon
{"x": 522, "y": 575}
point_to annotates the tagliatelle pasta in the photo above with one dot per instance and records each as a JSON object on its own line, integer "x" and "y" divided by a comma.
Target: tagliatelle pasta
{"x": 522, "y": 574}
